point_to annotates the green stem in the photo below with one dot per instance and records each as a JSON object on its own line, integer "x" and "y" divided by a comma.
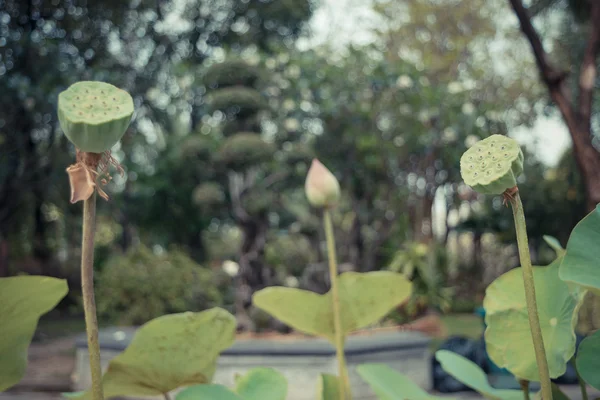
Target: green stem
{"x": 337, "y": 317}
{"x": 532, "y": 310}
{"x": 525, "y": 388}
{"x": 582, "y": 385}
{"x": 87, "y": 285}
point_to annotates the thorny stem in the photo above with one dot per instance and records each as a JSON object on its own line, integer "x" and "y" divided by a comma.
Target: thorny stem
{"x": 87, "y": 285}
{"x": 582, "y": 385}
{"x": 337, "y": 317}
{"x": 525, "y": 388}
{"x": 532, "y": 310}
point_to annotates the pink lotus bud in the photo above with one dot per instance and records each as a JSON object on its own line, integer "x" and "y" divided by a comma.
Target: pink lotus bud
{"x": 321, "y": 187}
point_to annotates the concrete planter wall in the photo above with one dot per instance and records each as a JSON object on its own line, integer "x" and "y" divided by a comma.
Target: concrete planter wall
{"x": 300, "y": 361}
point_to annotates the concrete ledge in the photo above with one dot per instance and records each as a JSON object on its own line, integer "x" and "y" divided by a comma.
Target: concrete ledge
{"x": 299, "y": 360}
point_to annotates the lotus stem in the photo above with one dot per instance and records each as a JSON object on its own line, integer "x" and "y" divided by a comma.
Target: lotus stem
{"x": 532, "y": 310}
{"x": 89, "y": 303}
{"x": 337, "y": 317}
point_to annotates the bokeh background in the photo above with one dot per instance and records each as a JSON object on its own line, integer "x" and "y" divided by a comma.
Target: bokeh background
{"x": 234, "y": 98}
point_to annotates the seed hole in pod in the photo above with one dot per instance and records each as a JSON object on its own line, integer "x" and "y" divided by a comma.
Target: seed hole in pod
{"x": 470, "y": 158}
{"x": 95, "y": 97}
{"x": 118, "y": 108}
{"x": 492, "y": 144}
{"x": 105, "y": 114}
{"x": 505, "y": 155}
{"x": 78, "y": 98}
{"x": 503, "y": 147}
{"x": 488, "y": 172}
{"x": 479, "y": 149}
{"x": 475, "y": 174}
{"x": 114, "y": 99}
{"x": 499, "y": 166}
{"x": 471, "y": 166}
{"x": 102, "y": 91}
{"x": 87, "y": 91}
{"x": 489, "y": 153}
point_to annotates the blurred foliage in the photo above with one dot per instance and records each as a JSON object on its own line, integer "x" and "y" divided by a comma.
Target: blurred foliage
{"x": 239, "y": 101}
{"x": 426, "y": 266}
{"x": 233, "y": 100}
{"x": 140, "y": 285}
{"x": 290, "y": 254}
{"x": 231, "y": 73}
{"x": 243, "y": 150}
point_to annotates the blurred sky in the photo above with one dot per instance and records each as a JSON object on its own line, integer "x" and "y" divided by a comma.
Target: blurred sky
{"x": 343, "y": 22}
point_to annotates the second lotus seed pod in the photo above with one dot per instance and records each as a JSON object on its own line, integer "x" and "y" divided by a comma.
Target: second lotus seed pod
{"x": 492, "y": 165}
{"x": 94, "y": 115}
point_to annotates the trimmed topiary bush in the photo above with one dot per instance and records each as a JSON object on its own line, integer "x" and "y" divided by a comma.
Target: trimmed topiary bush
{"x": 140, "y": 285}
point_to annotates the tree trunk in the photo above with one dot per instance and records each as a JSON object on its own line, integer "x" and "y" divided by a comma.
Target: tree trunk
{"x": 253, "y": 274}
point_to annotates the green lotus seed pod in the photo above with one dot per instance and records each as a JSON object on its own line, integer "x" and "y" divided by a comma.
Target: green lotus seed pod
{"x": 94, "y": 115}
{"x": 492, "y": 165}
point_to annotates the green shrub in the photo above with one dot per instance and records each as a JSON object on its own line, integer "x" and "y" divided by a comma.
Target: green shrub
{"x": 289, "y": 254}
{"x": 140, "y": 285}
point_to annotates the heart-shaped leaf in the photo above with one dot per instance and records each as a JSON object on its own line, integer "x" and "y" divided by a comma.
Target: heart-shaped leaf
{"x": 471, "y": 375}
{"x": 588, "y": 359}
{"x": 23, "y": 300}
{"x": 262, "y": 384}
{"x": 508, "y": 336}
{"x": 169, "y": 352}
{"x": 207, "y": 392}
{"x": 580, "y": 263}
{"x": 389, "y": 384}
{"x": 328, "y": 387}
{"x": 365, "y": 298}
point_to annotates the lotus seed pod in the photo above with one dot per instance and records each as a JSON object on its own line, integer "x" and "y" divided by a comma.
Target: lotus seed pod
{"x": 492, "y": 165}
{"x": 322, "y": 188}
{"x": 94, "y": 115}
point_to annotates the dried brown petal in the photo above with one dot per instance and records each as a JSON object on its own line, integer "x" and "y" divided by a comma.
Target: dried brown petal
{"x": 81, "y": 182}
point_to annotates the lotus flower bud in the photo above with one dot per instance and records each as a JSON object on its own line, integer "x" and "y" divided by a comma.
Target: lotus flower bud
{"x": 492, "y": 165}
{"x": 94, "y": 115}
{"x": 321, "y": 187}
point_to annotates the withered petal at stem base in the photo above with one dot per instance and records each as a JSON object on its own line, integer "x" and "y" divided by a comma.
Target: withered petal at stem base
{"x": 81, "y": 182}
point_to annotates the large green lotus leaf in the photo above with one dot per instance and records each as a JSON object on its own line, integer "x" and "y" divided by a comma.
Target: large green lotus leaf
{"x": 23, "y": 300}
{"x": 508, "y": 338}
{"x": 262, "y": 384}
{"x": 471, "y": 375}
{"x": 581, "y": 263}
{"x": 389, "y": 384}
{"x": 364, "y": 299}
{"x": 328, "y": 387}
{"x": 169, "y": 352}
{"x": 588, "y": 359}
{"x": 207, "y": 392}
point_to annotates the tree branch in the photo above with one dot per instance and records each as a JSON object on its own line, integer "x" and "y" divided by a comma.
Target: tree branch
{"x": 550, "y": 74}
{"x": 552, "y": 77}
{"x": 587, "y": 77}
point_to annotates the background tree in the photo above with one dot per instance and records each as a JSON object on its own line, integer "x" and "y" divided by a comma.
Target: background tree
{"x": 571, "y": 93}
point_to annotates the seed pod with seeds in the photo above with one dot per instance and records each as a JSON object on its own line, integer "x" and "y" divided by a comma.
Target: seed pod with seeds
{"x": 94, "y": 115}
{"x": 492, "y": 165}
